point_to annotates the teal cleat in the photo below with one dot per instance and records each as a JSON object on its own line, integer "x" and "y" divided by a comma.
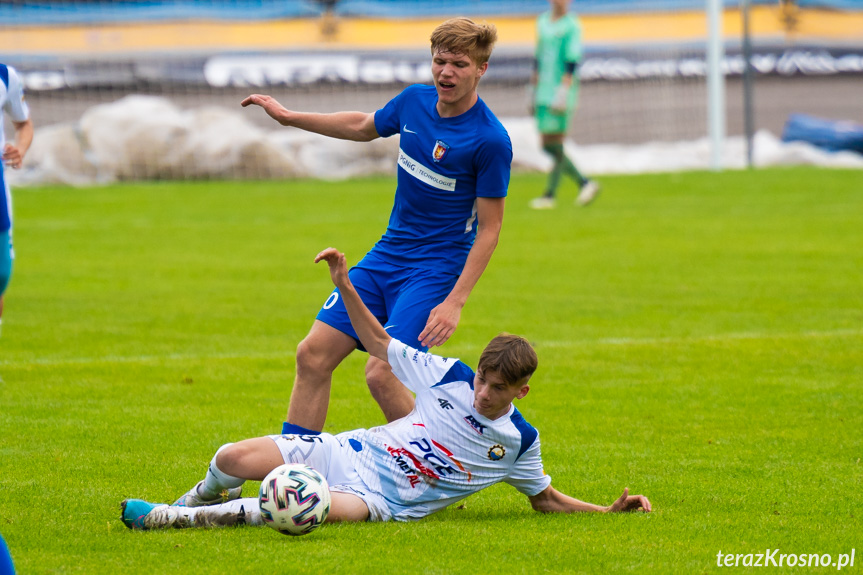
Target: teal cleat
{"x": 135, "y": 512}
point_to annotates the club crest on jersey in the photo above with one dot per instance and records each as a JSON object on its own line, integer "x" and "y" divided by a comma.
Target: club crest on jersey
{"x": 440, "y": 150}
{"x": 496, "y": 452}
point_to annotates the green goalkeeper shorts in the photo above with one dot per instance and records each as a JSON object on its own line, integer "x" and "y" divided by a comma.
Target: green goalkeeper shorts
{"x": 550, "y": 122}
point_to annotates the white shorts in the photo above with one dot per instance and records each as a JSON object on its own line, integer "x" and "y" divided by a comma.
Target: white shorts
{"x": 323, "y": 452}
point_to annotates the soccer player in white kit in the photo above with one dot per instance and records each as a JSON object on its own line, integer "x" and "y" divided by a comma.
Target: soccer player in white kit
{"x": 463, "y": 435}
{"x": 13, "y": 105}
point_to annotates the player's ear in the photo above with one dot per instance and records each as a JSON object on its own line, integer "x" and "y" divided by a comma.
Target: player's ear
{"x": 523, "y": 391}
{"x": 481, "y": 70}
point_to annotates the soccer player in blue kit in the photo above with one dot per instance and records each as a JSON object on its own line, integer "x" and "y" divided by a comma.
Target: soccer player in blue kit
{"x": 463, "y": 435}
{"x": 453, "y": 173}
{"x": 12, "y": 103}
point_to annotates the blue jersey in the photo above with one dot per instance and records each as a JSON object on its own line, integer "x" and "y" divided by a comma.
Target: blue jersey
{"x": 444, "y": 165}
{"x": 444, "y": 450}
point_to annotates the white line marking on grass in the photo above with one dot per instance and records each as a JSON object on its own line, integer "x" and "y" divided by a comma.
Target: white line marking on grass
{"x": 686, "y": 340}
{"x": 146, "y": 358}
{"x": 540, "y": 343}
{"x": 707, "y": 338}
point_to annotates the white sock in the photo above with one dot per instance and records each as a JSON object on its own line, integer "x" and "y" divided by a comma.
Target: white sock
{"x": 250, "y": 505}
{"x": 245, "y": 511}
{"x": 217, "y": 480}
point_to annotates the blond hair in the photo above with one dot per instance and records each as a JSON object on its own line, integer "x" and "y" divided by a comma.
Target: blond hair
{"x": 464, "y": 36}
{"x": 511, "y": 356}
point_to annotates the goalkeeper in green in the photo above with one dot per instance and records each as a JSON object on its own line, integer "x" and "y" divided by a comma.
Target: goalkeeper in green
{"x": 553, "y": 94}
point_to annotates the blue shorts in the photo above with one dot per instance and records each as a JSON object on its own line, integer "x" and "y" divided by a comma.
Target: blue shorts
{"x": 400, "y": 298}
{"x": 6, "y": 257}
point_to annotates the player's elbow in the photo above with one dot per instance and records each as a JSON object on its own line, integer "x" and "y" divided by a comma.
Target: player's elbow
{"x": 364, "y": 134}
{"x": 25, "y": 125}
{"x": 364, "y": 130}
{"x": 488, "y": 236}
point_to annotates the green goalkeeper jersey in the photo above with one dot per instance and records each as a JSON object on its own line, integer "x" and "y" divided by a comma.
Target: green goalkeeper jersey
{"x": 558, "y": 42}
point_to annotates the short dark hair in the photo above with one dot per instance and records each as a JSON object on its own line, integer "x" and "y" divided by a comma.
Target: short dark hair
{"x": 464, "y": 36}
{"x": 510, "y": 356}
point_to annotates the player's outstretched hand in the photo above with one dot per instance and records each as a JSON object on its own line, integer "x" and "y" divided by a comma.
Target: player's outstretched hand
{"x": 441, "y": 324}
{"x": 627, "y": 503}
{"x": 338, "y": 265}
{"x": 270, "y": 105}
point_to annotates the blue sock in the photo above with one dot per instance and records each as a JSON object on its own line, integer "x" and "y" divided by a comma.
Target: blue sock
{"x": 288, "y": 428}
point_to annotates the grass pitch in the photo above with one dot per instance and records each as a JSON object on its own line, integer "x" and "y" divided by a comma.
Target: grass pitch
{"x": 700, "y": 339}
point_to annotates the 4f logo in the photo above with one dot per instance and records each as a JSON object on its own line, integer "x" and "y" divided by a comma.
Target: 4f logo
{"x": 444, "y": 404}
{"x": 476, "y": 425}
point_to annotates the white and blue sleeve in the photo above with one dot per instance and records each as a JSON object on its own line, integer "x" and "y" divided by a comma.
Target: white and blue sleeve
{"x": 419, "y": 370}
{"x": 15, "y": 106}
{"x": 528, "y": 475}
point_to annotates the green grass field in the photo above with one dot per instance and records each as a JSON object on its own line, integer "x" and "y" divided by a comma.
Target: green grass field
{"x": 700, "y": 340}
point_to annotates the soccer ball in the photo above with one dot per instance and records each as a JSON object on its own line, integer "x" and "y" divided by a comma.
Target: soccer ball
{"x": 294, "y": 498}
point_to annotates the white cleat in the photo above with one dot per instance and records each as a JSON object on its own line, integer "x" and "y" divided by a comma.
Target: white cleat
{"x": 192, "y": 499}
{"x": 588, "y": 193}
{"x": 143, "y": 515}
{"x": 165, "y": 516}
{"x": 542, "y": 203}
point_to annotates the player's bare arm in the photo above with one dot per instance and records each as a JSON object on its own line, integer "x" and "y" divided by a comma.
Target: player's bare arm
{"x": 551, "y": 500}
{"x": 13, "y": 154}
{"x": 444, "y": 318}
{"x": 371, "y": 333}
{"x": 354, "y": 126}
{"x": 560, "y": 102}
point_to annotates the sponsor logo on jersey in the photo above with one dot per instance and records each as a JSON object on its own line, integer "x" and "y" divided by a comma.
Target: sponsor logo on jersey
{"x": 402, "y": 456}
{"x": 444, "y": 403}
{"x": 440, "y": 150}
{"x": 496, "y": 452}
{"x": 421, "y": 459}
{"x": 453, "y": 459}
{"x": 476, "y": 425}
{"x": 423, "y": 174}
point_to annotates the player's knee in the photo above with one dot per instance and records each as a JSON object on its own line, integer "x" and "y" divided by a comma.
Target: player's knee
{"x": 231, "y": 457}
{"x": 313, "y": 359}
{"x": 554, "y": 149}
{"x": 379, "y": 376}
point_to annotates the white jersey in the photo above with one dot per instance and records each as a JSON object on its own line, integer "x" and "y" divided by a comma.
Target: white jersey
{"x": 13, "y": 105}
{"x": 12, "y": 98}
{"x": 443, "y": 450}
